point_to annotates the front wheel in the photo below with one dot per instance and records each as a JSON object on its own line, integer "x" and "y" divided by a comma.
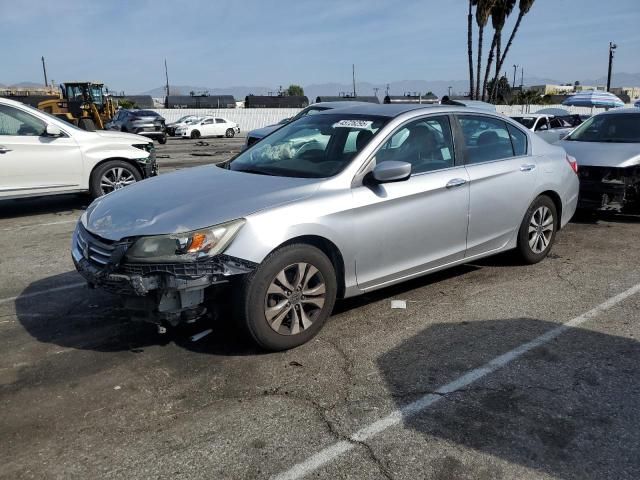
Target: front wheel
{"x": 162, "y": 140}
{"x": 287, "y": 299}
{"x": 112, "y": 175}
{"x": 195, "y": 134}
{"x": 538, "y": 230}
{"x": 230, "y": 133}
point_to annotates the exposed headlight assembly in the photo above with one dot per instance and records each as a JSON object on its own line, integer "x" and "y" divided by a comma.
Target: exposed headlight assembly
{"x": 184, "y": 247}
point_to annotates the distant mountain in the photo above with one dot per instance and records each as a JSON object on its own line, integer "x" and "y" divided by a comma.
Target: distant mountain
{"x": 237, "y": 92}
{"x": 439, "y": 87}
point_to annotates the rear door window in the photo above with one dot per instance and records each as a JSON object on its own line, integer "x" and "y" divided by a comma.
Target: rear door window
{"x": 486, "y": 139}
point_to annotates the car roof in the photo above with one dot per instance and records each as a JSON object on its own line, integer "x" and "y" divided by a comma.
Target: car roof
{"x": 625, "y": 111}
{"x": 531, "y": 115}
{"x": 394, "y": 110}
{"x": 346, "y": 103}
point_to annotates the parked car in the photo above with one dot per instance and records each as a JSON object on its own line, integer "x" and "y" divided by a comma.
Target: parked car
{"x": 547, "y": 127}
{"x": 181, "y": 122}
{"x": 607, "y": 148}
{"x": 289, "y": 225}
{"x": 258, "y": 134}
{"x": 209, "y": 127}
{"x": 43, "y": 155}
{"x": 142, "y": 122}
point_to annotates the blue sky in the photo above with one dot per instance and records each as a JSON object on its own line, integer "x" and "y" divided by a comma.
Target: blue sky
{"x": 268, "y": 42}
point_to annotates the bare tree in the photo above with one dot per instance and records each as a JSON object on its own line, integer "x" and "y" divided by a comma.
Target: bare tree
{"x": 499, "y": 13}
{"x": 483, "y": 10}
{"x": 472, "y": 3}
{"x": 524, "y": 6}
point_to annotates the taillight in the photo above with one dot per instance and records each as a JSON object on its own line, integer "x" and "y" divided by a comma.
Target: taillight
{"x": 573, "y": 163}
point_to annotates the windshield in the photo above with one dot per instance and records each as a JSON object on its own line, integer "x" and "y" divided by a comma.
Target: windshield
{"x": 316, "y": 146}
{"x": 528, "y": 122}
{"x": 67, "y": 125}
{"x": 614, "y": 128}
{"x": 146, "y": 113}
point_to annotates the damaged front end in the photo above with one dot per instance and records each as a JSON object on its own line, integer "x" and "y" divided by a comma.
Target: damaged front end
{"x": 166, "y": 291}
{"x": 610, "y": 188}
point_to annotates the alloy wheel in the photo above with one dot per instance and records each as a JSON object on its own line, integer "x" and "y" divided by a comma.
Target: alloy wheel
{"x": 294, "y": 298}
{"x": 540, "y": 230}
{"x": 115, "y": 179}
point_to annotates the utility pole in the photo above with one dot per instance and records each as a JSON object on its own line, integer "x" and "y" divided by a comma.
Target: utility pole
{"x": 612, "y": 47}
{"x": 450, "y": 91}
{"x": 387, "y": 91}
{"x": 353, "y": 71}
{"x": 515, "y": 68}
{"x": 166, "y": 74}
{"x": 521, "y": 78}
{"x": 44, "y": 69}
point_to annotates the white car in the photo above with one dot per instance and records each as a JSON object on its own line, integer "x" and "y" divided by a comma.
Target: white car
{"x": 181, "y": 122}
{"x": 548, "y": 127}
{"x": 43, "y": 155}
{"x": 209, "y": 127}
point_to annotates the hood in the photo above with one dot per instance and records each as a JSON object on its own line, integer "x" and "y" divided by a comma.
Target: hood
{"x": 190, "y": 199}
{"x": 264, "y": 131}
{"x": 597, "y": 154}
{"x": 128, "y": 138}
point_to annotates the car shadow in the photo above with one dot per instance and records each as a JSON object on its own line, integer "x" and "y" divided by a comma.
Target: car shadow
{"x": 92, "y": 319}
{"x": 55, "y": 204}
{"x": 569, "y": 409}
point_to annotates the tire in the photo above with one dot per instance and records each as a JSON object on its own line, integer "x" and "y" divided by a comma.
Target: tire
{"x": 299, "y": 319}
{"x": 87, "y": 124}
{"x": 111, "y": 171}
{"x": 162, "y": 140}
{"x": 230, "y": 133}
{"x": 542, "y": 219}
{"x": 195, "y": 134}
{"x": 124, "y": 129}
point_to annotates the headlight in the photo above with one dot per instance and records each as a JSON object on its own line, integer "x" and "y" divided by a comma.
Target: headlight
{"x": 185, "y": 247}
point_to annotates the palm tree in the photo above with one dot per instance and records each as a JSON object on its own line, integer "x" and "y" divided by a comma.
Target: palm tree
{"x": 524, "y": 6}
{"x": 483, "y": 10}
{"x": 501, "y": 10}
{"x": 472, "y": 3}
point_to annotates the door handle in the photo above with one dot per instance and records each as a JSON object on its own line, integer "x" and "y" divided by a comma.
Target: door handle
{"x": 4, "y": 149}
{"x": 527, "y": 167}
{"x": 456, "y": 182}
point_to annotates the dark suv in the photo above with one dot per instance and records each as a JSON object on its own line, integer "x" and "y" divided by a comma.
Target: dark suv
{"x": 143, "y": 122}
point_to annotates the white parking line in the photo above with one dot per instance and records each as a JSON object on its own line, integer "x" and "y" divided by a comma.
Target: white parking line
{"x": 335, "y": 450}
{"x": 20, "y": 227}
{"x": 42, "y": 292}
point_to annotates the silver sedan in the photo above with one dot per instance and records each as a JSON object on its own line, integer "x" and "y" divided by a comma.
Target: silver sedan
{"x": 329, "y": 206}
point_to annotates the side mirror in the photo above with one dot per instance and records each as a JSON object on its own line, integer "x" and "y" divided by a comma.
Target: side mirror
{"x": 53, "y": 131}
{"x": 391, "y": 171}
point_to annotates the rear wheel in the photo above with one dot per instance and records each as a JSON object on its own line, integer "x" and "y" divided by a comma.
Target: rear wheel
{"x": 162, "y": 140}
{"x": 537, "y": 230}
{"x": 230, "y": 133}
{"x": 287, "y": 299}
{"x": 112, "y": 175}
{"x": 195, "y": 134}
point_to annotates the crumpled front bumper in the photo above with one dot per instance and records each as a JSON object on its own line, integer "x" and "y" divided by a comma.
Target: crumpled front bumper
{"x": 141, "y": 279}
{"x": 157, "y": 291}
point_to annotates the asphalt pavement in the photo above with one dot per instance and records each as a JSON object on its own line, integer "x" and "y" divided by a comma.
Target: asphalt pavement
{"x": 494, "y": 370}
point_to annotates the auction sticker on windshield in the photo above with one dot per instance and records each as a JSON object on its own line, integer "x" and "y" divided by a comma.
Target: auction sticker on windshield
{"x": 353, "y": 124}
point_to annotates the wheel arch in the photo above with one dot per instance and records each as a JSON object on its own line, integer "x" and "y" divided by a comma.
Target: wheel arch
{"x": 327, "y": 247}
{"x": 557, "y": 201}
{"x": 133, "y": 163}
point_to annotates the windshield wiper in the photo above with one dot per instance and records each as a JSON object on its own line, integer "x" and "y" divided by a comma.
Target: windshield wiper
{"x": 255, "y": 171}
